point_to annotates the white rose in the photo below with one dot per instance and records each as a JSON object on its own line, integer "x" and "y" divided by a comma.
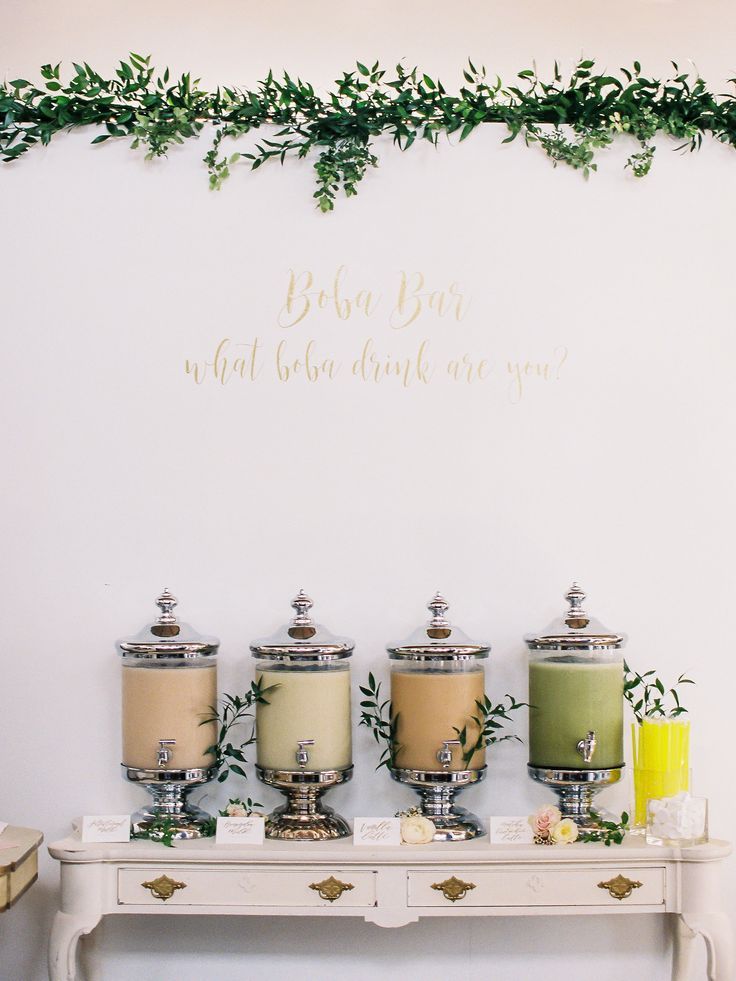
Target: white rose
{"x": 236, "y": 811}
{"x": 417, "y": 830}
{"x": 564, "y": 832}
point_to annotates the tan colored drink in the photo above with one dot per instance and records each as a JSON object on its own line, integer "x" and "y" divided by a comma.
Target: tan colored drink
{"x": 168, "y": 703}
{"x": 430, "y": 705}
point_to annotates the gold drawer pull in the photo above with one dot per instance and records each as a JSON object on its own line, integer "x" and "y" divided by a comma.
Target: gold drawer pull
{"x": 331, "y": 889}
{"x": 453, "y": 889}
{"x": 163, "y": 887}
{"x": 620, "y": 887}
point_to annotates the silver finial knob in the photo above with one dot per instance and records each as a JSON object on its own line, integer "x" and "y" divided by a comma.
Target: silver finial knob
{"x": 166, "y": 603}
{"x": 302, "y": 604}
{"x": 438, "y": 606}
{"x": 575, "y": 597}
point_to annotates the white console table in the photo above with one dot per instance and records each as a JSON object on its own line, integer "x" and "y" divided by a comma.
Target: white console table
{"x": 394, "y": 886}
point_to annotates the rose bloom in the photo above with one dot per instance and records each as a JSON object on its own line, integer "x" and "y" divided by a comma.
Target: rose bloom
{"x": 543, "y": 820}
{"x": 564, "y": 832}
{"x": 417, "y": 830}
{"x": 236, "y": 811}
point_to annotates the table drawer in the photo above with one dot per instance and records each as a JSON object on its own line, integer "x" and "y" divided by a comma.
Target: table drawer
{"x": 557, "y": 887}
{"x": 160, "y": 886}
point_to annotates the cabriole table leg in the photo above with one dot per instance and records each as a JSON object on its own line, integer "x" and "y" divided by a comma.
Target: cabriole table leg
{"x": 65, "y": 934}
{"x": 715, "y": 929}
{"x": 683, "y": 939}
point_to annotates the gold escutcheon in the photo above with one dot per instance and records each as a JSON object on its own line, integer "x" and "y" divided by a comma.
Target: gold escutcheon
{"x": 163, "y": 887}
{"x": 453, "y": 888}
{"x": 620, "y": 887}
{"x": 331, "y": 889}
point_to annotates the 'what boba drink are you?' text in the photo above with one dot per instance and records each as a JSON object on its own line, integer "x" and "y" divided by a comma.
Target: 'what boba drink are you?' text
{"x": 306, "y": 362}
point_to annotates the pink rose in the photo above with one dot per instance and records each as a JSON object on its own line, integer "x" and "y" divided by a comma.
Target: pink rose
{"x": 543, "y": 820}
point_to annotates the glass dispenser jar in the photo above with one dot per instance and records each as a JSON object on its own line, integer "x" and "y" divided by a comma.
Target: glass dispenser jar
{"x": 303, "y": 729}
{"x": 169, "y": 691}
{"x": 576, "y": 707}
{"x": 437, "y": 677}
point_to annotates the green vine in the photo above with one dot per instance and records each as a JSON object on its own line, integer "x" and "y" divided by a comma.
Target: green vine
{"x": 236, "y": 709}
{"x": 608, "y": 832}
{"x": 164, "y": 830}
{"x": 647, "y": 695}
{"x": 158, "y": 113}
{"x": 375, "y": 714}
{"x": 489, "y": 720}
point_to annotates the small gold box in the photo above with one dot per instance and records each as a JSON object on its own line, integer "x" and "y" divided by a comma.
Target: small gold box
{"x": 18, "y": 864}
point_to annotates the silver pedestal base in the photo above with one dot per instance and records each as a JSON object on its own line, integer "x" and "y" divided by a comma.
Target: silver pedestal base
{"x": 304, "y": 817}
{"x": 169, "y": 789}
{"x": 437, "y": 790}
{"x": 576, "y": 789}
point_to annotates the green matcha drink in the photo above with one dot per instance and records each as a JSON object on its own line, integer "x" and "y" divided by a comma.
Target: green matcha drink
{"x": 569, "y": 698}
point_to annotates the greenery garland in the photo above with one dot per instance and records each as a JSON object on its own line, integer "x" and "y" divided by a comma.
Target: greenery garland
{"x": 158, "y": 113}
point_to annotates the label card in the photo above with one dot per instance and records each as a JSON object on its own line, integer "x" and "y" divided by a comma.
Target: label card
{"x": 377, "y": 832}
{"x": 106, "y": 827}
{"x": 510, "y": 831}
{"x": 240, "y": 830}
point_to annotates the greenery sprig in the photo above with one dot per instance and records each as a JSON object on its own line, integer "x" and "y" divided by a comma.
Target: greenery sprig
{"x": 647, "y": 695}
{"x": 608, "y": 832}
{"x": 236, "y": 709}
{"x": 376, "y": 715}
{"x": 489, "y": 720}
{"x": 157, "y": 113}
{"x": 164, "y": 829}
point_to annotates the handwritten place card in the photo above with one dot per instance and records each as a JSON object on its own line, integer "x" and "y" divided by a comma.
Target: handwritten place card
{"x": 510, "y": 831}
{"x": 106, "y": 827}
{"x": 377, "y": 832}
{"x": 240, "y": 830}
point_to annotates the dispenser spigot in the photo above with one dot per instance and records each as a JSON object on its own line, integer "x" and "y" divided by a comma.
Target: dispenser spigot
{"x": 302, "y": 756}
{"x": 586, "y": 747}
{"x": 164, "y": 754}
{"x": 444, "y": 755}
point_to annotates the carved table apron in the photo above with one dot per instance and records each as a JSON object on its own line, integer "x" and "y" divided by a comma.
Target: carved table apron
{"x": 394, "y": 886}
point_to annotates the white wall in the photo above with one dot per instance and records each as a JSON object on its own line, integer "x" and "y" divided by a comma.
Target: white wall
{"x": 121, "y": 475}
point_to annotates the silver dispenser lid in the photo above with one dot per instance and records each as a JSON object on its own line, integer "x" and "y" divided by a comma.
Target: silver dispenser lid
{"x": 438, "y": 639}
{"x": 302, "y": 639}
{"x": 167, "y": 638}
{"x": 575, "y": 630}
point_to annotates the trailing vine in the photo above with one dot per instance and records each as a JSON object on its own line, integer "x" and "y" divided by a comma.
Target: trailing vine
{"x": 236, "y": 709}
{"x": 376, "y": 715}
{"x": 648, "y": 697}
{"x": 488, "y": 721}
{"x": 569, "y": 119}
